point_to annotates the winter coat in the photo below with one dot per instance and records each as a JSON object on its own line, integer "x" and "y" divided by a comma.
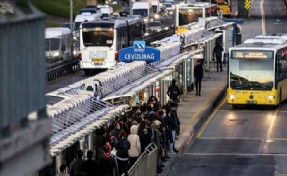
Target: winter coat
{"x": 123, "y": 147}
{"x": 198, "y": 71}
{"x": 134, "y": 140}
{"x": 146, "y": 137}
{"x": 107, "y": 165}
{"x": 89, "y": 167}
{"x": 76, "y": 166}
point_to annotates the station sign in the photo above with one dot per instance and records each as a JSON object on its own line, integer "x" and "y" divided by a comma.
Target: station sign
{"x": 139, "y": 52}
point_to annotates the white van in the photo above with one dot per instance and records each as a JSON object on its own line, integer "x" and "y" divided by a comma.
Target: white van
{"x": 106, "y": 12}
{"x": 141, "y": 8}
{"x": 57, "y": 44}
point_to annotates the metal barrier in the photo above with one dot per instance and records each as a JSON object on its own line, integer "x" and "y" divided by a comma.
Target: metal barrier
{"x": 146, "y": 163}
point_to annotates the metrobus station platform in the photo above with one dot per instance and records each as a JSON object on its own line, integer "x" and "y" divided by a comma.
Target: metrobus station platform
{"x": 194, "y": 110}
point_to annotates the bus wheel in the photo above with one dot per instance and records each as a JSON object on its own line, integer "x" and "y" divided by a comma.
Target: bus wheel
{"x": 234, "y": 106}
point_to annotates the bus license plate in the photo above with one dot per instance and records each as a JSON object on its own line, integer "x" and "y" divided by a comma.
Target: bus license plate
{"x": 98, "y": 60}
{"x": 251, "y": 102}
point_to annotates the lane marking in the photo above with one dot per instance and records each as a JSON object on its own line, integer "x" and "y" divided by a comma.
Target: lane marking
{"x": 263, "y": 17}
{"x": 203, "y": 106}
{"x": 231, "y": 138}
{"x": 271, "y": 127}
{"x": 236, "y": 154}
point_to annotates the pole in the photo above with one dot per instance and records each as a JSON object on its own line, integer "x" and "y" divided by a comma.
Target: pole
{"x": 71, "y": 27}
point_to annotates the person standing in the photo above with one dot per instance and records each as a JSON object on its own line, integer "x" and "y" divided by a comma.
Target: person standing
{"x": 89, "y": 167}
{"x": 198, "y": 73}
{"x": 135, "y": 149}
{"x": 173, "y": 91}
{"x": 63, "y": 170}
{"x": 77, "y": 163}
{"x": 107, "y": 164}
{"x": 122, "y": 154}
{"x": 217, "y": 52}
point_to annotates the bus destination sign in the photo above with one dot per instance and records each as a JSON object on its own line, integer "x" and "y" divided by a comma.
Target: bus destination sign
{"x": 237, "y": 54}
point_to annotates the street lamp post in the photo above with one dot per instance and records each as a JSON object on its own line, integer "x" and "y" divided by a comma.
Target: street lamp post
{"x": 71, "y": 27}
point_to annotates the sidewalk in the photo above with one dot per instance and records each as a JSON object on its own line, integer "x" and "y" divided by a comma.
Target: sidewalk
{"x": 194, "y": 110}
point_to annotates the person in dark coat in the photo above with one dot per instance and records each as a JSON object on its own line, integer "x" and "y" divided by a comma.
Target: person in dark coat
{"x": 217, "y": 52}
{"x": 198, "y": 73}
{"x": 172, "y": 126}
{"x": 107, "y": 164}
{"x": 173, "y": 91}
{"x": 89, "y": 167}
{"x": 122, "y": 154}
{"x": 145, "y": 135}
{"x": 77, "y": 163}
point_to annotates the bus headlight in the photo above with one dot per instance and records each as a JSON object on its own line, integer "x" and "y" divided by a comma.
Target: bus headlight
{"x": 232, "y": 96}
{"x": 156, "y": 16}
{"x": 270, "y": 97}
{"x": 56, "y": 54}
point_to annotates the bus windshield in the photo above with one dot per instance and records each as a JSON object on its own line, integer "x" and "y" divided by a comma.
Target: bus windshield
{"x": 97, "y": 36}
{"x": 251, "y": 70}
{"x": 187, "y": 16}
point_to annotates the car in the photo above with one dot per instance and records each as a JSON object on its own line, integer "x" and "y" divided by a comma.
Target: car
{"x": 169, "y": 6}
{"x": 154, "y": 26}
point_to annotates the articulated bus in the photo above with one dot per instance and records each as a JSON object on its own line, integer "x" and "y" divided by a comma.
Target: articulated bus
{"x": 224, "y": 6}
{"x": 100, "y": 40}
{"x": 257, "y": 72}
{"x": 189, "y": 13}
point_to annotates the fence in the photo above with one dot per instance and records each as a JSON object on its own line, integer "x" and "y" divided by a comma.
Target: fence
{"x": 146, "y": 163}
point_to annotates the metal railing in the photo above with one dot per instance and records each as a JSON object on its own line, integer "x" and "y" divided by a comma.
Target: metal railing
{"x": 146, "y": 163}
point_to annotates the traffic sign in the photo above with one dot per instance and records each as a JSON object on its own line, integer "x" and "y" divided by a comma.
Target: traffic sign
{"x": 247, "y": 4}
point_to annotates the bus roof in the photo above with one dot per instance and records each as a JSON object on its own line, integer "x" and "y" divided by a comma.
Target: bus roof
{"x": 86, "y": 16}
{"x": 282, "y": 36}
{"x": 196, "y": 4}
{"x": 56, "y": 32}
{"x": 120, "y": 21}
{"x": 262, "y": 43}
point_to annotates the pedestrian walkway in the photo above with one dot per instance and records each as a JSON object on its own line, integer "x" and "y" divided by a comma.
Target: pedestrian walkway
{"x": 194, "y": 110}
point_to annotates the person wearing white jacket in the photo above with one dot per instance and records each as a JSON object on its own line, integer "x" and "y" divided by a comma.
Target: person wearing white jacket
{"x": 135, "y": 150}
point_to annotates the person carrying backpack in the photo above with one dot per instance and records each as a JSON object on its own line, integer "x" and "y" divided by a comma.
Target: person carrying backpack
{"x": 173, "y": 91}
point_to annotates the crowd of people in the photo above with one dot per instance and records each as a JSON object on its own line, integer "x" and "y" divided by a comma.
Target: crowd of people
{"x": 119, "y": 145}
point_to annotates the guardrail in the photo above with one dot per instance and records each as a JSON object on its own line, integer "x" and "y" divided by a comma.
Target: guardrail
{"x": 62, "y": 68}
{"x": 146, "y": 163}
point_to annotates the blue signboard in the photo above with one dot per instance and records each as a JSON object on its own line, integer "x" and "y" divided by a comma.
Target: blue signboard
{"x": 139, "y": 52}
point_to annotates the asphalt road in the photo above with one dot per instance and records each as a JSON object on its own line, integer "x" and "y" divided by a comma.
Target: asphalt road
{"x": 248, "y": 141}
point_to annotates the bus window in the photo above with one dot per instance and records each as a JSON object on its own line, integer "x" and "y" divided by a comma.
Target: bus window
{"x": 93, "y": 35}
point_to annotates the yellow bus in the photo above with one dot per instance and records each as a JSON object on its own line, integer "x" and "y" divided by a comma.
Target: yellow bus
{"x": 257, "y": 71}
{"x": 191, "y": 12}
{"x": 224, "y": 6}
